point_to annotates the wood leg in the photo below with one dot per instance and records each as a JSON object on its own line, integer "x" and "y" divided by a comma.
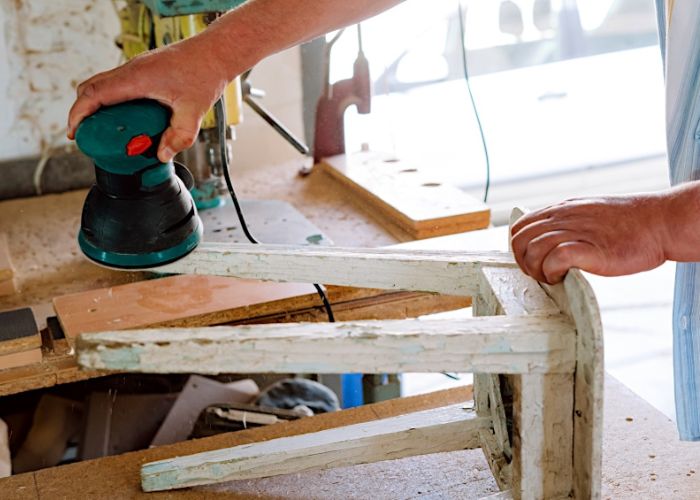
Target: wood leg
{"x": 543, "y": 436}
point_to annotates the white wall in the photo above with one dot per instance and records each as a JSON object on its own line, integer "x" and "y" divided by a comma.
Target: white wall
{"x": 48, "y": 46}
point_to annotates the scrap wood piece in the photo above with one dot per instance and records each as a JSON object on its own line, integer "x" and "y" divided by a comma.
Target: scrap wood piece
{"x": 56, "y": 367}
{"x": 489, "y": 345}
{"x": 7, "y": 270}
{"x": 18, "y": 331}
{"x": 184, "y": 300}
{"x": 402, "y": 194}
{"x": 444, "y": 429}
{"x": 21, "y": 358}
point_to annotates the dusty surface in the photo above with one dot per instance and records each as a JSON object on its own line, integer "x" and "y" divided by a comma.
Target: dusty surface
{"x": 642, "y": 457}
{"x": 42, "y": 231}
{"x": 42, "y": 240}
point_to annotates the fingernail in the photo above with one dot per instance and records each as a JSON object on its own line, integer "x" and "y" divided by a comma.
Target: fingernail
{"x": 166, "y": 154}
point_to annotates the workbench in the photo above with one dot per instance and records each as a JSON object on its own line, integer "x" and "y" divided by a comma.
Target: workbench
{"x": 42, "y": 239}
{"x": 642, "y": 456}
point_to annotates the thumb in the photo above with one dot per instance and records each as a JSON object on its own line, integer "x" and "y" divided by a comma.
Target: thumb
{"x": 181, "y": 134}
{"x": 579, "y": 254}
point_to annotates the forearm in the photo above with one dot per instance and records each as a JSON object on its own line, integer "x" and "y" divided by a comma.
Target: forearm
{"x": 259, "y": 28}
{"x": 680, "y": 229}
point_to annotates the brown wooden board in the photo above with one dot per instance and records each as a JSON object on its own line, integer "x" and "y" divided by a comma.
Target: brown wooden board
{"x": 183, "y": 300}
{"x": 400, "y": 193}
{"x": 18, "y": 331}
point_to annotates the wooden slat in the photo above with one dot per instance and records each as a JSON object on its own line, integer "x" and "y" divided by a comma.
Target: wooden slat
{"x": 444, "y": 429}
{"x": 448, "y": 272}
{"x": 349, "y": 304}
{"x": 575, "y": 299}
{"x": 588, "y": 403}
{"x": 495, "y": 345}
{"x": 543, "y": 426}
{"x": 543, "y": 435}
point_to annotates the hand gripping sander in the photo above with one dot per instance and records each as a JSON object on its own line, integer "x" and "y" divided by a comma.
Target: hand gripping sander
{"x": 139, "y": 213}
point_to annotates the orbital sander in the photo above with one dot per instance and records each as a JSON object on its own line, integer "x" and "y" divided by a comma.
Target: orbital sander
{"x": 139, "y": 213}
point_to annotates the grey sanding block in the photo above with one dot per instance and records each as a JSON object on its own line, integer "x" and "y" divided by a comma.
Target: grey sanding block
{"x": 18, "y": 331}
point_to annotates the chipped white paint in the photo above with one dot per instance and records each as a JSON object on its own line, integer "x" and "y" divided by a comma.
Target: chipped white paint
{"x": 529, "y": 338}
{"x": 445, "y": 429}
{"x": 496, "y": 345}
{"x": 508, "y": 291}
{"x": 49, "y": 47}
{"x": 448, "y": 272}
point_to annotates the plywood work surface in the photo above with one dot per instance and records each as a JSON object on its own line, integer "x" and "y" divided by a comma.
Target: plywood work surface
{"x": 404, "y": 194}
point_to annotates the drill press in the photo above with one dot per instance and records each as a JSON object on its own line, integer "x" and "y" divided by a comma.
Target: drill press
{"x": 148, "y": 24}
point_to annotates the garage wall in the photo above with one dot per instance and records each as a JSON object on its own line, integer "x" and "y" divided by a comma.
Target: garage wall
{"x": 48, "y": 46}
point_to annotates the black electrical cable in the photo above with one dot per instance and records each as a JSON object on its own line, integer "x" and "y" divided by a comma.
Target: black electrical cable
{"x": 465, "y": 67}
{"x": 223, "y": 150}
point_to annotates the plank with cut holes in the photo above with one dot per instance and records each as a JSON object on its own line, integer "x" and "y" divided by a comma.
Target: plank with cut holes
{"x": 406, "y": 195}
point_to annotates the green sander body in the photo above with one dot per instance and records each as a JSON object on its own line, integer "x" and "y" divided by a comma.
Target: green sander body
{"x": 139, "y": 213}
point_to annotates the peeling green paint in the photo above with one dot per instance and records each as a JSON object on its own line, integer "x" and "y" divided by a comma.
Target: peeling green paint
{"x": 122, "y": 358}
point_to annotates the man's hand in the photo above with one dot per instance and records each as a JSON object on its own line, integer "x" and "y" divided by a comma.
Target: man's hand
{"x": 183, "y": 76}
{"x": 609, "y": 236}
{"x": 190, "y": 75}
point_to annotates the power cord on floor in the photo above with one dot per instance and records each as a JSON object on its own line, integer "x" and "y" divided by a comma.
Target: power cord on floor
{"x": 465, "y": 67}
{"x": 219, "y": 108}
